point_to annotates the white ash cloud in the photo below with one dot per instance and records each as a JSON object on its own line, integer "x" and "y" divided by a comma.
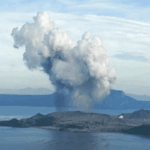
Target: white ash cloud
{"x": 81, "y": 68}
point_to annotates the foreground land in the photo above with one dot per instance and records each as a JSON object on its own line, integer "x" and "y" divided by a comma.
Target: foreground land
{"x": 78, "y": 121}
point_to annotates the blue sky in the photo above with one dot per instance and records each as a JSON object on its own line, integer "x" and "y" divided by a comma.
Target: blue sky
{"x": 123, "y": 25}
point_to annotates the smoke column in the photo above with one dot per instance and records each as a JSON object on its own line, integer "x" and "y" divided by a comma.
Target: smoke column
{"x": 81, "y": 68}
{"x": 60, "y": 101}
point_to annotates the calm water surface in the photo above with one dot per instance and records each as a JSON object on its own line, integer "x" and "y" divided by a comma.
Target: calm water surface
{"x": 40, "y": 139}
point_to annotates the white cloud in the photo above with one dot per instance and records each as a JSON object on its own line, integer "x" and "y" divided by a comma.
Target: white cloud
{"x": 118, "y": 35}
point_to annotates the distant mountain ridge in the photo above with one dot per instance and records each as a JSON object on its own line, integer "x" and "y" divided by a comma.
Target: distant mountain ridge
{"x": 46, "y": 91}
{"x": 118, "y": 100}
{"x": 115, "y": 100}
{"x": 139, "y": 97}
{"x": 27, "y": 91}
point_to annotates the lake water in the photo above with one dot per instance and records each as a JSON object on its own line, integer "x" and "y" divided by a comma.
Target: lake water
{"x": 40, "y": 139}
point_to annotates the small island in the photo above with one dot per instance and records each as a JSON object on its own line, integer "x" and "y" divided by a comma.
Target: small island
{"x": 137, "y": 123}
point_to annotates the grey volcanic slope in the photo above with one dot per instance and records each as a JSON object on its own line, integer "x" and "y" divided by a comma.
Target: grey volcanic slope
{"x": 75, "y": 121}
{"x": 140, "y": 114}
{"x": 139, "y": 130}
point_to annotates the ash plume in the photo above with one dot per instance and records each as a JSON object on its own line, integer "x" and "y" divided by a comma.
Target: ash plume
{"x": 59, "y": 101}
{"x": 81, "y": 68}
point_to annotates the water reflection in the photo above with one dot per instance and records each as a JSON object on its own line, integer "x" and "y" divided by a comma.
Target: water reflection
{"x": 77, "y": 141}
